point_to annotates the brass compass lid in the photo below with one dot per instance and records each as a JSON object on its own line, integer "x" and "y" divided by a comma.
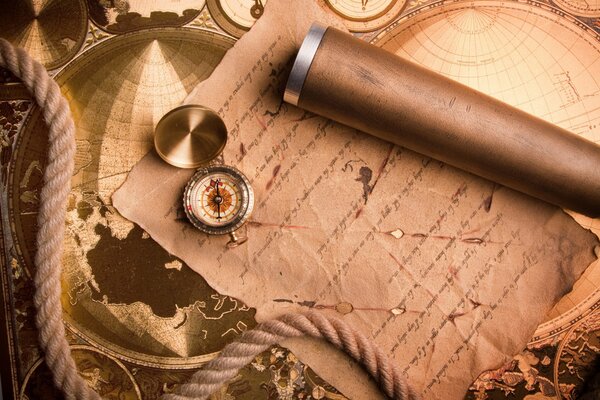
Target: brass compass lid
{"x": 190, "y": 136}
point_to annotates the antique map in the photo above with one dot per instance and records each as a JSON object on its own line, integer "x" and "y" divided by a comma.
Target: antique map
{"x": 121, "y": 76}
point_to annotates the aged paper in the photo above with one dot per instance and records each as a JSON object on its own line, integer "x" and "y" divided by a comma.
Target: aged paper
{"x": 448, "y": 273}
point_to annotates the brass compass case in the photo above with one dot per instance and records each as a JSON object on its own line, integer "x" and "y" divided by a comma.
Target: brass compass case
{"x": 190, "y": 136}
{"x": 345, "y": 79}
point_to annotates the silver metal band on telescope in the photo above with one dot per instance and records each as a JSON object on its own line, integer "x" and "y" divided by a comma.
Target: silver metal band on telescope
{"x": 304, "y": 59}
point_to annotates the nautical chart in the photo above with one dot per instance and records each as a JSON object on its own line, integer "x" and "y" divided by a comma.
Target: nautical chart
{"x": 542, "y": 58}
{"x": 124, "y": 297}
{"x": 527, "y": 54}
{"x": 35, "y": 27}
{"x": 530, "y": 55}
{"x": 584, "y": 8}
{"x": 117, "y": 92}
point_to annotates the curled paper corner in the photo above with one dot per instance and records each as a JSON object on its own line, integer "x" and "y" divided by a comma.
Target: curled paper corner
{"x": 597, "y": 251}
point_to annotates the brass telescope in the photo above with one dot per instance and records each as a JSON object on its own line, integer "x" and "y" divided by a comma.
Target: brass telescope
{"x": 360, "y": 85}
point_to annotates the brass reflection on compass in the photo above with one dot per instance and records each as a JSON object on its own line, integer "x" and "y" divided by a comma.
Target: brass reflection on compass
{"x": 190, "y": 136}
{"x": 366, "y": 15}
{"x": 236, "y": 17}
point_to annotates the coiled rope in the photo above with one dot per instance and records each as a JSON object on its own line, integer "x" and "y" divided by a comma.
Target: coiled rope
{"x": 251, "y": 343}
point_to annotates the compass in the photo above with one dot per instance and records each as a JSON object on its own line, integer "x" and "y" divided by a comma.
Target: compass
{"x": 218, "y": 200}
{"x": 236, "y": 17}
{"x": 366, "y": 15}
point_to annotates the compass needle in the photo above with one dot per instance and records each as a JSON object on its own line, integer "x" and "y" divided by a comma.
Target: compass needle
{"x": 218, "y": 199}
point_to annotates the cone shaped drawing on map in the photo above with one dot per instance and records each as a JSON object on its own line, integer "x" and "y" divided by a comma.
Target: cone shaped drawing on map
{"x": 526, "y": 55}
{"x": 121, "y": 290}
{"x": 39, "y": 27}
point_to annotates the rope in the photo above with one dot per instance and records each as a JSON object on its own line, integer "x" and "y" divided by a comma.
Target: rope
{"x": 50, "y": 235}
{"x": 51, "y": 219}
{"x": 251, "y": 343}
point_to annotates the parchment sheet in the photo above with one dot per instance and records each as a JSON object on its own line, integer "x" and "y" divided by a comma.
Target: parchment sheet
{"x": 450, "y": 274}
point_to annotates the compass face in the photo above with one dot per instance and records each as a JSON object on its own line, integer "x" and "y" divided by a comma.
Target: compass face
{"x": 236, "y": 16}
{"x": 366, "y": 15}
{"x": 218, "y": 199}
{"x": 243, "y": 12}
{"x": 360, "y": 9}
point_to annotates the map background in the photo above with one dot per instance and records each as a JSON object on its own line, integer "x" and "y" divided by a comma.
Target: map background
{"x": 579, "y": 330}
